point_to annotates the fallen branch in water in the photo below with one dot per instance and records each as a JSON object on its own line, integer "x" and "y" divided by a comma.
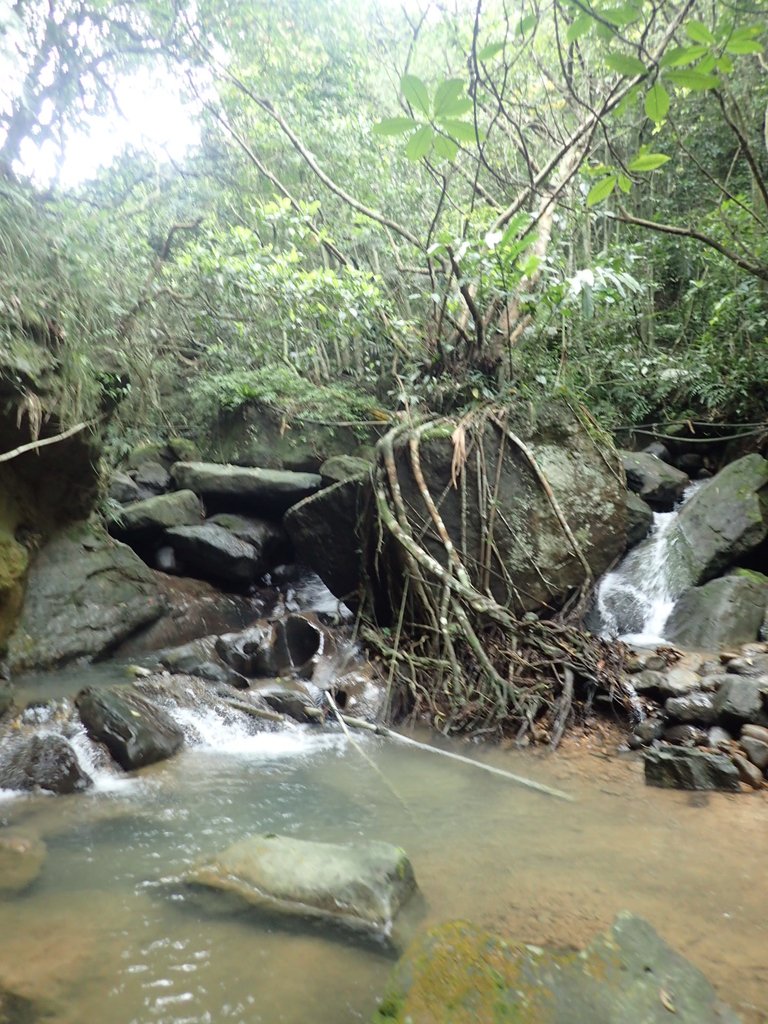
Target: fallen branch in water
{"x": 521, "y": 780}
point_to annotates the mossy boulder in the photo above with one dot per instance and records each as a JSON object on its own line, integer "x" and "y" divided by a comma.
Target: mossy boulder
{"x": 460, "y": 974}
{"x": 261, "y": 492}
{"x": 725, "y": 520}
{"x": 720, "y": 613}
{"x": 85, "y": 594}
{"x": 143, "y": 520}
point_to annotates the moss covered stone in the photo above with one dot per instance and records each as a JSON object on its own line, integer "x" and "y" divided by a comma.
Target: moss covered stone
{"x": 460, "y": 974}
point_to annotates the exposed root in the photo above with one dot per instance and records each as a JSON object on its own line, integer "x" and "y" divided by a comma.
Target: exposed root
{"x": 467, "y": 661}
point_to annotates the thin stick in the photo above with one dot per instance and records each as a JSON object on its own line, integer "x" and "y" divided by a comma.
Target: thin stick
{"x": 32, "y": 446}
{"x": 359, "y": 723}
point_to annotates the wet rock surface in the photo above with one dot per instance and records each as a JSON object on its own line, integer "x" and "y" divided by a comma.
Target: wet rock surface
{"x": 639, "y": 519}
{"x": 136, "y": 732}
{"x": 459, "y": 974}
{"x": 45, "y": 761}
{"x": 658, "y": 484}
{"x": 722, "y": 612}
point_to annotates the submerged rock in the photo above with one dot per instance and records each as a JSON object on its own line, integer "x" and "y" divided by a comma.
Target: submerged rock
{"x": 135, "y": 731}
{"x": 685, "y": 768}
{"x": 45, "y": 761}
{"x": 459, "y": 974}
{"x": 359, "y": 885}
{"x": 21, "y": 860}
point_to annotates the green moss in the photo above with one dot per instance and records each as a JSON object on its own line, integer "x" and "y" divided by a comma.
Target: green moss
{"x": 751, "y": 574}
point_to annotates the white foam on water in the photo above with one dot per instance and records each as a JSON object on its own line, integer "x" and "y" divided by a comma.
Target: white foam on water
{"x": 209, "y": 731}
{"x": 636, "y": 599}
{"x": 106, "y": 777}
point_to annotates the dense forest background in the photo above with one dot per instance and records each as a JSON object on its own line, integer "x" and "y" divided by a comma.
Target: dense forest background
{"x": 391, "y": 208}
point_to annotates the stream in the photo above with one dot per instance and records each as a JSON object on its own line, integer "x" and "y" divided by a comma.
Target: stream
{"x": 108, "y": 934}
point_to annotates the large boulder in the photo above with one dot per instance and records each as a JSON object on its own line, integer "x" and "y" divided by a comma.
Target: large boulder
{"x": 658, "y": 484}
{"x": 85, "y": 594}
{"x": 135, "y": 731}
{"x": 360, "y": 885}
{"x": 723, "y": 612}
{"x": 267, "y": 537}
{"x": 639, "y": 519}
{"x": 502, "y": 511}
{"x": 144, "y": 520}
{"x": 725, "y": 520}
{"x": 460, "y": 974}
{"x": 215, "y": 554}
{"x": 265, "y": 492}
{"x": 41, "y": 761}
{"x": 327, "y": 533}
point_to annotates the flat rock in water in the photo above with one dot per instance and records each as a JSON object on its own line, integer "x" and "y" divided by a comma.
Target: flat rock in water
{"x": 135, "y": 731}
{"x": 21, "y": 860}
{"x": 658, "y": 484}
{"x": 269, "y": 492}
{"x": 359, "y": 885}
{"x": 684, "y": 768}
{"x": 459, "y": 974}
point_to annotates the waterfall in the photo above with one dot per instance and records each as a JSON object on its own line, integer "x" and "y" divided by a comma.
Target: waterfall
{"x": 634, "y": 601}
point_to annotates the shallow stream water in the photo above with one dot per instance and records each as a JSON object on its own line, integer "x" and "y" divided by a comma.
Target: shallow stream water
{"x": 109, "y": 935}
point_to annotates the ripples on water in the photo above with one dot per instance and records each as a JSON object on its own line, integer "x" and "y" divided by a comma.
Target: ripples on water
{"x": 108, "y": 933}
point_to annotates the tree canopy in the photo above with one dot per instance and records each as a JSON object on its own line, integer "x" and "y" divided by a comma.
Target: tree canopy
{"x": 439, "y": 204}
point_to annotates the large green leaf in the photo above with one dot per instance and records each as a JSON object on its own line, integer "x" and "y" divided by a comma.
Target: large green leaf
{"x": 743, "y": 46}
{"x": 620, "y": 15}
{"x": 464, "y": 131}
{"x": 458, "y": 108}
{"x": 526, "y": 24}
{"x": 579, "y": 28}
{"x": 682, "y": 55}
{"x": 420, "y": 143}
{"x": 657, "y": 103}
{"x": 394, "y": 126}
{"x": 601, "y": 190}
{"x": 698, "y": 32}
{"x": 696, "y": 81}
{"x": 447, "y": 94}
{"x": 648, "y": 161}
{"x": 624, "y": 64}
{"x": 490, "y": 51}
{"x": 415, "y": 92}
{"x": 445, "y": 148}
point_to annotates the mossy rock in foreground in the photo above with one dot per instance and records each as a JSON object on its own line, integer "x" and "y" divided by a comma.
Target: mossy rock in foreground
{"x": 459, "y": 974}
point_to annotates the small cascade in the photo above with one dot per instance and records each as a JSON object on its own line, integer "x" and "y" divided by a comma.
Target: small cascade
{"x": 634, "y": 601}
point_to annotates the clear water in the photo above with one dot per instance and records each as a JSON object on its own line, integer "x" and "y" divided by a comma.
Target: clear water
{"x": 636, "y": 599}
{"x": 106, "y": 933}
